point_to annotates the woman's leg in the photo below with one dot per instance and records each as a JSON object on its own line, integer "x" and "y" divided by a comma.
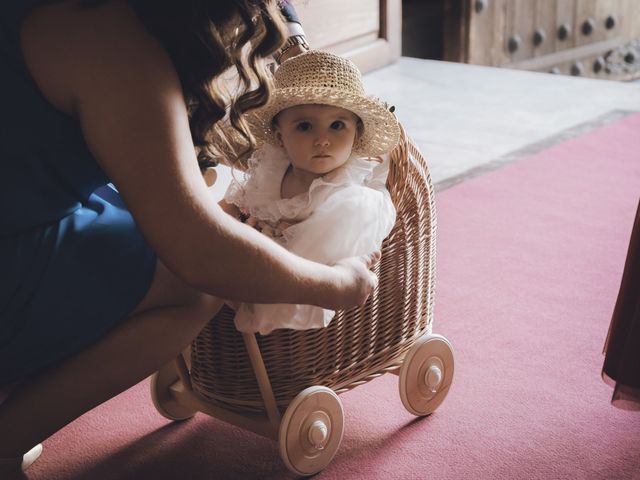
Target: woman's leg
{"x": 168, "y": 318}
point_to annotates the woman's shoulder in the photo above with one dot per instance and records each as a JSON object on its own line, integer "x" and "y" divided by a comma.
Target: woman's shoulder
{"x": 71, "y": 19}
{"x": 67, "y": 47}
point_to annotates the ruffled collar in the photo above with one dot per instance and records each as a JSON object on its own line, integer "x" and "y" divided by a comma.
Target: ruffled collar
{"x": 266, "y": 169}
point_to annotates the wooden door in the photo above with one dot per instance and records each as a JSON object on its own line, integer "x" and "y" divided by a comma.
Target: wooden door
{"x": 577, "y": 37}
{"x": 366, "y": 31}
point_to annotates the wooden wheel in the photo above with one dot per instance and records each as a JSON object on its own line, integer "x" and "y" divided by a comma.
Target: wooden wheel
{"x": 311, "y": 430}
{"x": 163, "y": 400}
{"x": 426, "y": 374}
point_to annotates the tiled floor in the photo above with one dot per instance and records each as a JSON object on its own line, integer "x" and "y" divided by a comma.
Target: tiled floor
{"x": 468, "y": 119}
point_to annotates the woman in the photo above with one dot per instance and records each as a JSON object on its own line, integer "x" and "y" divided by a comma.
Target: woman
{"x": 621, "y": 367}
{"x": 93, "y": 298}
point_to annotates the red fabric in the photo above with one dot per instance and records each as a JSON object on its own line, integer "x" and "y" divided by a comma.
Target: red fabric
{"x": 529, "y": 265}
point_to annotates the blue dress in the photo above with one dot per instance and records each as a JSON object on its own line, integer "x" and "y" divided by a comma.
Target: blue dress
{"x": 72, "y": 261}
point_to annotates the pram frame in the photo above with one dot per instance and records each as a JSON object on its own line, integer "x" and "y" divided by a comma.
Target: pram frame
{"x": 180, "y": 389}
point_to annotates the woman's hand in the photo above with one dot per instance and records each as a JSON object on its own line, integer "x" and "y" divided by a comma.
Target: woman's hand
{"x": 356, "y": 281}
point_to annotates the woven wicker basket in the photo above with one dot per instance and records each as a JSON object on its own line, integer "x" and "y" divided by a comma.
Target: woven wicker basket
{"x": 359, "y": 344}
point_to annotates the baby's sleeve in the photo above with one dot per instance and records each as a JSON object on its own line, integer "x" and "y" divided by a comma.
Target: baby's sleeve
{"x": 353, "y": 221}
{"x": 235, "y": 193}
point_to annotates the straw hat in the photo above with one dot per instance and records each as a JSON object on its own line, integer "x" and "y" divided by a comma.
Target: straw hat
{"x": 316, "y": 77}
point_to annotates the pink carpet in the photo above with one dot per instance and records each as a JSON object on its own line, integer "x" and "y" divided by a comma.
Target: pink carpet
{"x": 529, "y": 264}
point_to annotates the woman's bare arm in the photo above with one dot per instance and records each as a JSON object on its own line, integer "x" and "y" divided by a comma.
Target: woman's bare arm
{"x": 101, "y": 66}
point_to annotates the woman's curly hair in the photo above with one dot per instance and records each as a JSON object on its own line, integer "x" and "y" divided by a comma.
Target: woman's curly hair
{"x": 206, "y": 39}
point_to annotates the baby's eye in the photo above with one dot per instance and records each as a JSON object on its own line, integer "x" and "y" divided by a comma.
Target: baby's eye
{"x": 338, "y": 125}
{"x": 303, "y": 126}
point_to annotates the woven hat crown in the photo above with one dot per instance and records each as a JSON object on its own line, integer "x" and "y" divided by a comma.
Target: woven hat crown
{"x": 320, "y": 70}
{"x": 316, "y": 77}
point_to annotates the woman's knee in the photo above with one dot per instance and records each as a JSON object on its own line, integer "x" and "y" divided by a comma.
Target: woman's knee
{"x": 205, "y": 306}
{"x": 168, "y": 290}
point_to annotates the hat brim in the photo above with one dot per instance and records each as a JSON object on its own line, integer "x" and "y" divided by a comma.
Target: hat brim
{"x": 381, "y": 130}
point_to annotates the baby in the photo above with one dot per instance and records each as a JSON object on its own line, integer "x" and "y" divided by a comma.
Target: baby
{"x": 316, "y": 184}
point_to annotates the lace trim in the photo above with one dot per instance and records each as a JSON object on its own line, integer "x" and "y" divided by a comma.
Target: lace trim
{"x": 259, "y": 193}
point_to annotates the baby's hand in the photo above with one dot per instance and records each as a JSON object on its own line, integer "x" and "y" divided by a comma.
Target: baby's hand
{"x": 267, "y": 230}
{"x": 282, "y": 226}
{"x": 252, "y": 222}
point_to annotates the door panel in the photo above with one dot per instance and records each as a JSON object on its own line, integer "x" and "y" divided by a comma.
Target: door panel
{"x": 366, "y": 31}
{"x": 544, "y": 40}
{"x": 588, "y": 29}
{"x": 520, "y": 27}
{"x": 577, "y": 37}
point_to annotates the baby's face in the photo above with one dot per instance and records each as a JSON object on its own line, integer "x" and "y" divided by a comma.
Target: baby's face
{"x": 317, "y": 138}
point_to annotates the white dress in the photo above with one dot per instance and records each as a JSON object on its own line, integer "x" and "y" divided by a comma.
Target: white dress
{"x": 347, "y": 212}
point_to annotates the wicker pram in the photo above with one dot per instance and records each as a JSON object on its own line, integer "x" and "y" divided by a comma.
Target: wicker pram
{"x": 284, "y": 385}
